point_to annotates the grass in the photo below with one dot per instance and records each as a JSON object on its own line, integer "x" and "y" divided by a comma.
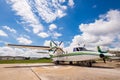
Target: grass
{"x": 25, "y": 61}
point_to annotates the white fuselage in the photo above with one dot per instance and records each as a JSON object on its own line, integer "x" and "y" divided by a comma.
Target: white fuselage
{"x": 78, "y": 56}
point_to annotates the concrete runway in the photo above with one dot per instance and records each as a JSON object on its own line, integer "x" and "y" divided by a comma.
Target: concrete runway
{"x": 50, "y": 71}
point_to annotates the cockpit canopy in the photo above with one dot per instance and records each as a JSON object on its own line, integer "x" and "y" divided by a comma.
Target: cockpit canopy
{"x": 79, "y": 49}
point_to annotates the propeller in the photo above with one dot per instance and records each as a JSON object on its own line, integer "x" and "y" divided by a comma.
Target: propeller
{"x": 56, "y": 47}
{"x": 54, "y": 43}
{"x": 60, "y": 43}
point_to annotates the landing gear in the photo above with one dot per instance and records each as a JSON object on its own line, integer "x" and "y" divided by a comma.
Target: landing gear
{"x": 82, "y": 63}
{"x": 89, "y": 64}
{"x": 70, "y": 62}
{"x": 103, "y": 57}
{"x": 57, "y": 62}
{"x": 86, "y": 63}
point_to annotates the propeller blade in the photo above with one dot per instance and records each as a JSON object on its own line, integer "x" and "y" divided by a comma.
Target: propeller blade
{"x": 54, "y": 43}
{"x": 60, "y": 43}
{"x": 62, "y": 50}
{"x": 50, "y": 44}
{"x": 55, "y": 50}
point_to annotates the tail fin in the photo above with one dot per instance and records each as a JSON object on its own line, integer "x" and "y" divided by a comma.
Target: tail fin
{"x": 99, "y": 50}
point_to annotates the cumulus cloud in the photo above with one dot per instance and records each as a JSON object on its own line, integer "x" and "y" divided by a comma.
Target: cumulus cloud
{"x": 47, "y": 43}
{"x": 56, "y": 35}
{"x": 24, "y": 10}
{"x": 49, "y": 10}
{"x": 52, "y": 27}
{"x": 51, "y": 32}
{"x": 71, "y": 3}
{"x": 34, "y": 12}
{"x": 104, "y": 31}
{"x": 9, "y": 29}
{"x": 23, "y": 40}
{"x": 2, "y": 33}
{"x": 8, "y": 51}
{"x": 43, "y": 35}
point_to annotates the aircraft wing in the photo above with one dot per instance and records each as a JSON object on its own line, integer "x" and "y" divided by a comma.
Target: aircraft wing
{"x": 30, "y": 46}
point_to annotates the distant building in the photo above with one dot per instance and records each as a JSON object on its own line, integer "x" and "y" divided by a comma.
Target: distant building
{"x": 12, "y": 58}
{"x": 18, "y": 58}
{"x": 117, "y": 53}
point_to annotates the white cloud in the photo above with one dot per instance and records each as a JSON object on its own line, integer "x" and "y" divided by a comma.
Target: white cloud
{"x": 62, "y": 1}
{"x": 49, "y": 10}
{"x": 24, "y": 10}
{"x": 23, "y": 40}
{"x": 53, "y": 31}
{"x": 103, "y": 31}
{"x": 53, "y": 34}
{"x": 32, "y": 12}
{"x": 56, "y": 35}
{"x": 8, "y": 51}
{"x": 71, "y": 3}
{"x": 26, "y": 36}
{"x": 47, "y": 43}
{"x": 52, "y": 27}
{"x": 2, "y": 33}
{"x": 43, "y": 35}
{"x": 9, "y": 29}
{"x": 107, "y": 24}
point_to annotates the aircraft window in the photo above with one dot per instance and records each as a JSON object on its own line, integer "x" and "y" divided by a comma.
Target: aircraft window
{"x": 82, "y": 49}
{"x": 79, "y": 49}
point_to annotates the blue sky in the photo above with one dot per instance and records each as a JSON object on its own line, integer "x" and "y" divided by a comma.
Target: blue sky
{"x": 36, "y": 22}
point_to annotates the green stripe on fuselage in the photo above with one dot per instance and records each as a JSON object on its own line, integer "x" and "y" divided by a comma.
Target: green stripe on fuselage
{"x": 75, "y": 53}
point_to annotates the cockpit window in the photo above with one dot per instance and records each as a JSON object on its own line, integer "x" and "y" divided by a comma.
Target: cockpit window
{"x": 79, "y": 49}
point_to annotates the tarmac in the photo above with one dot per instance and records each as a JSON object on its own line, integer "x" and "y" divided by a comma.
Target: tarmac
{"x": 49, "y": 71}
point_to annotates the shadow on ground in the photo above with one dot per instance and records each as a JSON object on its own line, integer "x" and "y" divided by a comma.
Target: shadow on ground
{"x": 50, "y": 65}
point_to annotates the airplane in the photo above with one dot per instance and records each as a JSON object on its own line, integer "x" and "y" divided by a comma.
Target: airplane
{"x": 80, "y": 55}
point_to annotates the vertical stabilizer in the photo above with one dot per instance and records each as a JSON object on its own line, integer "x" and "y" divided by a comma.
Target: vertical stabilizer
{"x": 99, "y": 50}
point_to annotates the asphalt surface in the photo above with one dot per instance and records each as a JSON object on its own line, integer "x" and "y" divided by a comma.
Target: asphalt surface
{"x": 49, "y": 71}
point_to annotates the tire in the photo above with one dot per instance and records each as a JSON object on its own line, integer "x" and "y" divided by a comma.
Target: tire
{"x": 89, "y": 64}
{"x": 70, "y": 62}
{"x": 57, "y": 62}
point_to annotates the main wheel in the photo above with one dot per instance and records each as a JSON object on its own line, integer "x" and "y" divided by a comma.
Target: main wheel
{"x": 57, "y": 62}
{"x": 89, "y": 64}
{"x": 70, "y": 62}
